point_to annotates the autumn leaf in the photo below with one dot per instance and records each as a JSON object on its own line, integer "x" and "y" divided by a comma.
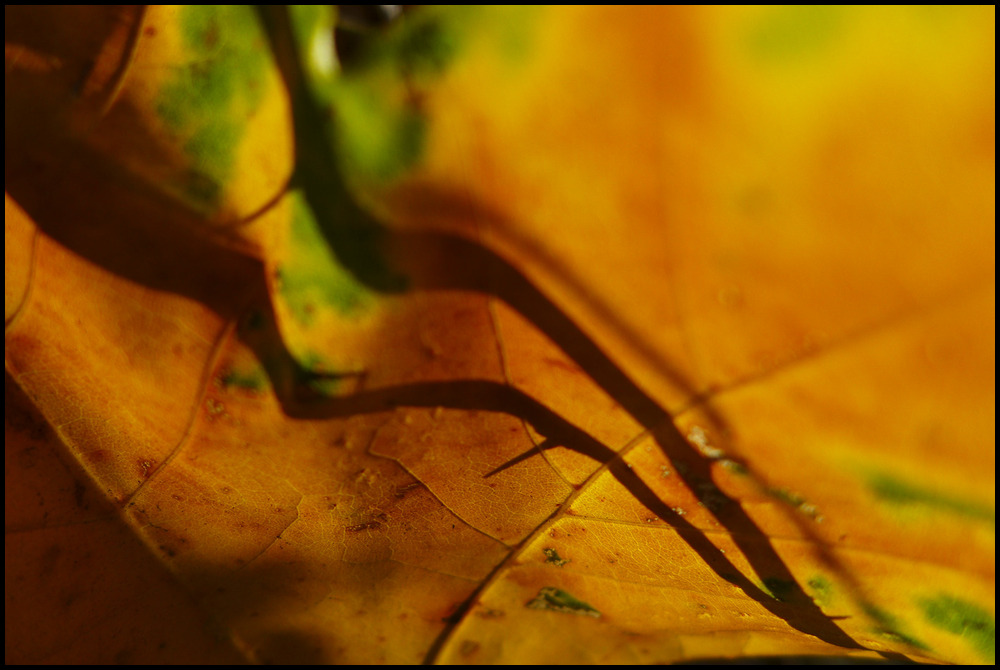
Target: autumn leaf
{"x": 513, "y": 335}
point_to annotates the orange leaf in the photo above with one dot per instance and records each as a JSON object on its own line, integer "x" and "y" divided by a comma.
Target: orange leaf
{"x": 629, "y": 336}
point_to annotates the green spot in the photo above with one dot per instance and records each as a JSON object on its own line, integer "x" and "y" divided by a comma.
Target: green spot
{"x": 381, "y": 128}
{"x": 426, "y": 45}
{"x": 552, "y": 556}
{"x": 210, "y": 98}
{"x": 254, "y": 320}
{"x": 517, "y": 28}
{"x": 250, "y": 380}
{"x": 791, "y": 33}
{"x": 315, "y": 373}
{"x": 784, "y": 495}
{"x": 313, "y": 278}
{"x": 889, "y": 628}
{"x": 821, "y": 589}
{"x": 780, "y": 589}
{"x": 965, "y": 619}
{"x": 557, "y": 600}
{"x": 313, "y": 28}
{"x": 423, "y": 44}
{"x": 899, "y": 493}
{"x": 794, "y": 500}
{"x": 734, "y": 466}
{"x": 378, "y": 138}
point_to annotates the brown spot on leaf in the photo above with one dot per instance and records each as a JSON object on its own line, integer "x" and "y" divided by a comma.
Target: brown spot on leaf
{"x": 146, "y": 467}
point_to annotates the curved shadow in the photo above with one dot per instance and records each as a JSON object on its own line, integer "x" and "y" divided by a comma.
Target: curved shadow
{"x": 133, "y": 230}
{"x": 360, "y": 243}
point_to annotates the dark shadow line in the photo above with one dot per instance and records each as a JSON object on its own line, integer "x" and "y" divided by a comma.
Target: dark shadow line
{"x": 120, "y": 213}
{"x": 496, "y": 397}
{"x": 754, "y": 544}
{"x": 149, "y": 231}
{"x": 792, "y": 612}
{"x": 472, "y": 267}
{"x": 438, "y": 261}
{"x": 430, "y": 260}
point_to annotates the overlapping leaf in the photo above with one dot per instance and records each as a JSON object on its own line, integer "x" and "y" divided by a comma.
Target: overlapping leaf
{"x": 656, "y": 336}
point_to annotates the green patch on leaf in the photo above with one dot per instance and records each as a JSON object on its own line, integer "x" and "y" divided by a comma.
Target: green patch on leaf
{"x": 316, "y": 374}
{"x": 209, "y": 99}
{"x": 249, "y": 380}
{"x": 888, "y": 627}
{"x": 734, "y": 466}
{"x": 779, "y": 589}
{"x": 426, "y": 45}
{"x": 422, "y": 44}
{"x": 786, "y": 496}
{"x": 252, "y": 321}
{"x": 788, "y": 34}
{"x": 381, "y": 127}
{"x": 517, "y": 28}
{"x": 897, "y": 492}
{"x": 821, "y": 589}
{"x": 313, "y": 30}
{"x": 795, "y": 500}
{"x": 312, "y": 277}
{"x": 552, "y": 557}
{"x": 379, "y": 138}
{"x": 557, "y": 600}
{"x": 965, "y": 619}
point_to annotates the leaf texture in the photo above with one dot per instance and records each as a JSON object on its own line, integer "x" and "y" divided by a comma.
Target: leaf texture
{"x": 529, "y": 335}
